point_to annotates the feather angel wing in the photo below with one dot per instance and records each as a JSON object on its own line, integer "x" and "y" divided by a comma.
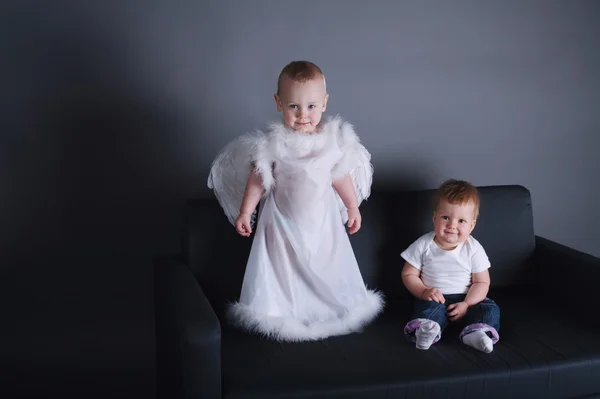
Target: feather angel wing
{"x": 356, "y": 161}
{"x": 230, "y": 170}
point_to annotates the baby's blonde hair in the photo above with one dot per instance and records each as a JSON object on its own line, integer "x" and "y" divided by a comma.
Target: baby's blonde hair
{"x": 300, "y": 72}
{"x": 458, "y": 192}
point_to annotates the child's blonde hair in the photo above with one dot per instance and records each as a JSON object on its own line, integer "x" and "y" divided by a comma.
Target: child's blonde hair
{"x": 458, "y": 192}
{"x": 300, "y": 72}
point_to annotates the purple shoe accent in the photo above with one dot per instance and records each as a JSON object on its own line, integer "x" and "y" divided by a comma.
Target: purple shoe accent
{"x": 412, "y": 326}
{"x": 480, "y": 327}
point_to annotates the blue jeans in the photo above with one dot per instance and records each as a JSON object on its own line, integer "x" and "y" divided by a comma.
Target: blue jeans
{"x": 484, "y": 316}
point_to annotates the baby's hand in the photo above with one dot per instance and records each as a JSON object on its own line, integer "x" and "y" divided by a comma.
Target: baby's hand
{"x": 354, "y": 220}
{"x": 457, "y": 310}
{"x": 242, "y": 224}
{"x": 433, "y": 294}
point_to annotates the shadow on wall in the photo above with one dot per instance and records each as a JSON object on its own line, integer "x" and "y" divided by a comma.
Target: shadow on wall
{"x": 92, "y": 168}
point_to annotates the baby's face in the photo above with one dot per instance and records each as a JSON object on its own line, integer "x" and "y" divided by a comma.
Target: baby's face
{"x": 302, "y": 104}
{"x": 453, "y": 223}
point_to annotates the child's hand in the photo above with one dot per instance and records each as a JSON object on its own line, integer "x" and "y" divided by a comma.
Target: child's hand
{"x": 433, "y": 294}
{"x": 354, "y": 220}
{"x": 242, "y": 224}
{"x": 457, "y": 310}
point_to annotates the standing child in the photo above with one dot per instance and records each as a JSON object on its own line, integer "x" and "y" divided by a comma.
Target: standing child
{"x": 447, "y": 272}
{"x": 302, "y": 280}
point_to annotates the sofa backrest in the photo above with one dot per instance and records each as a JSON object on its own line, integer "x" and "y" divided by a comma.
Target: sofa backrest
{"x": 391, "y": 221}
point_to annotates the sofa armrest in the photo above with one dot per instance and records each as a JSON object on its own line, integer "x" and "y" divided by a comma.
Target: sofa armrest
{"x": 567, "y": 274}
{"x": 188, "y": 335}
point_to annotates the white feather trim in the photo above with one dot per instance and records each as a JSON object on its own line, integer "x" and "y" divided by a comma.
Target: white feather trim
{"x": 287, "y": 143}
{"x": 294, "y": 330}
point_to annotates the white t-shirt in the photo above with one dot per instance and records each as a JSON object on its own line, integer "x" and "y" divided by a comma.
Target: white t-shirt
{"x": 448, "y": 271}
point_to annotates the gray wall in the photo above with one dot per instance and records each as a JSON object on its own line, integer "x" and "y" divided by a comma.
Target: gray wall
{"x": 116, "y": 109}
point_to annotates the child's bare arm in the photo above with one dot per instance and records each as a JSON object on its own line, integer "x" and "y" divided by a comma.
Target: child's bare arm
{"x": 477, "y": 293}
{"x": 479, "y": 288}
{"x": 252, "y": 195}
{"x": 345, "y": 188}
{"x": 411, "y": 277}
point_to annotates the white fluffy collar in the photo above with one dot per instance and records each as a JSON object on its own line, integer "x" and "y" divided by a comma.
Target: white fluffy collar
{"x": 328, "y": 129}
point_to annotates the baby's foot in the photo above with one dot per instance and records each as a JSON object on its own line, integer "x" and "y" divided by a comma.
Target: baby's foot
{"x": 479, "y": 340}
{"x": 426, "y": 334}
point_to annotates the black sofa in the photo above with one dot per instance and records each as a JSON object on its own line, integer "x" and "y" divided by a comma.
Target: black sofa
{"x": 549, "y": 336}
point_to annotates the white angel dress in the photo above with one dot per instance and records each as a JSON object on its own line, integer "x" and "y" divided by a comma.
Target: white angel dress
{"x": 302, "y": 281}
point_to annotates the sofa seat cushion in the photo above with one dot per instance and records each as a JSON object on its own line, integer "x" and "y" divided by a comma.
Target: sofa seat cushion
{"x": 542, "y": 352}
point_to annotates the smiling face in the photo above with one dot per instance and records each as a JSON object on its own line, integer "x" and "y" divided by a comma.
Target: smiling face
{"x": 302, "y": 104}
{"x": 453, "y": 223}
